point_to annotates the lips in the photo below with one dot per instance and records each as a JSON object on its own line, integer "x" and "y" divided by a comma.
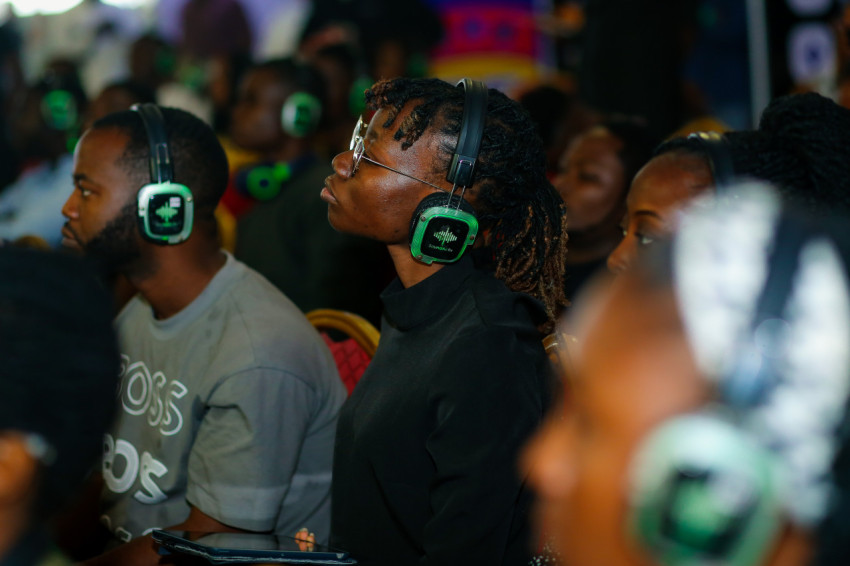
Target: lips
{"x": 69, "y": 238}
{"x": 327, "y": 193}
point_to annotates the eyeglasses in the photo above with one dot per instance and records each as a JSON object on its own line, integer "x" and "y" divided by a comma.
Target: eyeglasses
{"x": 359, "y": 148}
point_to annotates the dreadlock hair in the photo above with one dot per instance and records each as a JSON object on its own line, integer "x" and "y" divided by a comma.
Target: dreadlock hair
{"x": 517, "y": 207}
{"x": 802, "y": 146}
{"x": 198, "y": 159}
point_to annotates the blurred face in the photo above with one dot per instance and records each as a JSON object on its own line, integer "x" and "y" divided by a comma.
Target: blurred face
{"x": 101, "y": 211}
{"x": 373, "y": 201}
{"x": 108, "y": 101}
{"x": 632, "y": 371}
{"x": 659, "y": 191}
{"x": 256, "y": 123}
{"x": 591, "y": 180}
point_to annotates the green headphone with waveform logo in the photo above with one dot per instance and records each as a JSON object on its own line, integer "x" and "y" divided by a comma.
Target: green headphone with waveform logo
{"x": 443, "y": 226}
{"x": 165, "y": 209}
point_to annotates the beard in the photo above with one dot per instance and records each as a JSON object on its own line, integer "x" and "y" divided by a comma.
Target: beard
{"x": 116, "y": 246}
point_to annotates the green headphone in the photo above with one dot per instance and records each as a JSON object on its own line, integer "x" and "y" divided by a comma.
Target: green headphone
{"x": 443, "y": 226}
{"x": 59, "y": 109}
{"x": 301, "y": 114}
{"x": 165, "y": 209}
{"x": 708, "y": 488}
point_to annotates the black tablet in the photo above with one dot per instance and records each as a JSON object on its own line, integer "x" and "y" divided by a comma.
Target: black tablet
{"x": 242, "y": 548}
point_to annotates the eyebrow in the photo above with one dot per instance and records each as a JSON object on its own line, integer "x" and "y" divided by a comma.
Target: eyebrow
{"x": 650, "y": 213}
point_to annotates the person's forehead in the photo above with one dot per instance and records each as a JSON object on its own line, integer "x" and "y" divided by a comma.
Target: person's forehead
{"x": 99, "y": 149}
{"x": 668, "y": 179}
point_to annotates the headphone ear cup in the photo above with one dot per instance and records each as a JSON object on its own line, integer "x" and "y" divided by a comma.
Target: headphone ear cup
{"x": 703, "y": 492}
{"x": 441, "y": 228}
{"x": 59, "y": 110}
{"x": 301, "y": 114}
{"x": 165, "y": 212}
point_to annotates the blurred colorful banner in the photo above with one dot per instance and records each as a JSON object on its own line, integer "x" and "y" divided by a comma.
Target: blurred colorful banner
{"x": 497, "y": 41}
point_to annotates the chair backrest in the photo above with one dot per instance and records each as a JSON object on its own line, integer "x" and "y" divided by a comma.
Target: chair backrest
{"x": 354, "y": 351}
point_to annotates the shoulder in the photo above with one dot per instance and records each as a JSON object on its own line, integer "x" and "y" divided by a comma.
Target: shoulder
{"x": 262, "y": 328}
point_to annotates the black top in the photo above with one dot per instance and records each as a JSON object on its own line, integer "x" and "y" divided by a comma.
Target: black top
{"x": 425, "y": 464}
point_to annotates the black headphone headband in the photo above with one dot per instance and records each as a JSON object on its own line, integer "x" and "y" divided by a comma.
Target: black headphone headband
{"x": 471, "y": 130}
{"x": 160, "y": 157}
{"x": 719, "y": 159}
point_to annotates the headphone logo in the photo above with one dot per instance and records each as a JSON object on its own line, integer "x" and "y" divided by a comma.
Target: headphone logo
{"x": 445, "y": 236}
{"x": 168, "y": 211}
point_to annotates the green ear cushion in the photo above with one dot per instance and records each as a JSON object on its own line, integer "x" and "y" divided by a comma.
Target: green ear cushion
{"x": 300, "y": 114}
{"x": 357, "y": 95}
{"x": 700, "y": 487}
{"x": 59, "y": 109}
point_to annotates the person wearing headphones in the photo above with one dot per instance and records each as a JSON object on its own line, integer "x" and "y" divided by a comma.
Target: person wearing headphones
{"x": 282, "y": 228}
{"x": 801, "y": 146}
{"x": 425, "y": 455}
{"x": 228, "y": 397}
{"x": 705, "y": 420}
{"x": 43, "y": 128}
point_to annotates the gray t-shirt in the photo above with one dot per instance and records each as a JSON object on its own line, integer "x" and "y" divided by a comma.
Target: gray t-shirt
{"x": 230, "y": 405}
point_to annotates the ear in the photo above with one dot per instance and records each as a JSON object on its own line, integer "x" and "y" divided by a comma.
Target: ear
{"x": 18, "y": 469}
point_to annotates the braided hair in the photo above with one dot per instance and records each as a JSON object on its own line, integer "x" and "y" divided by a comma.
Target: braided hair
{"x": 517, "y": 207}
{"x": 802, "y": 146}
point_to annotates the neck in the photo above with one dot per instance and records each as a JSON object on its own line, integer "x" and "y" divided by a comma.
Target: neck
{"x": 175, "y": 276}
{"x": 592, "y": 245}
{"x": 410, "y": 272}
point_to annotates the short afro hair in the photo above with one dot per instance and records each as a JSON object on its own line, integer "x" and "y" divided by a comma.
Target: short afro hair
{"x": 198, "y": 159}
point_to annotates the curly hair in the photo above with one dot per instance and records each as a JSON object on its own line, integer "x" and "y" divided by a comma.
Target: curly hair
{"x": 517, "y": 207}
{"x": 802, "y": 146}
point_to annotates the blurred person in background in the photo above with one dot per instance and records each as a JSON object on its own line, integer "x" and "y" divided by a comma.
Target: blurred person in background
{"x": 45, "y": 124}
{"x": 705, "y": 420}
{"x": 120, "y": 95}
{"x": 594, "y": 174}
{"x": 281, "y": 227}
{"x": 57, "y": 393}
{"x": 560, "y": 117}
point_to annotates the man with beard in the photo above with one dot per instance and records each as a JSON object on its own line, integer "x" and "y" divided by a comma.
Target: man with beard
{"x": 228, "y": 398}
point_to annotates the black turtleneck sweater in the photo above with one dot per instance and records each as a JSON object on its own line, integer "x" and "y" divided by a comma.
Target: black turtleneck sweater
{"x": 425, "y": 464}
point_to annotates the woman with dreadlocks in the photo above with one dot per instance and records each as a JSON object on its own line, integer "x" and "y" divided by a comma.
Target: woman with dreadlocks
{"x": 426, "y": 450}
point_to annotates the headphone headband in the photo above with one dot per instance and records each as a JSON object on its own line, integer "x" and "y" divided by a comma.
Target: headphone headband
{"x": 160, "y": 157}
{"x": 719, "y": 159}
{"x": 471, "y": 131}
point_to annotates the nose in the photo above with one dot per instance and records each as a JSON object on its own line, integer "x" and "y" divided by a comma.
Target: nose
{"x": 342, "y": 163}
{"x": 69, "y": 209}
{"x": 623, "y": 255}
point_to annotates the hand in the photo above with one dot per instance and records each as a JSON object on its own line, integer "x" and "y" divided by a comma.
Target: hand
{"x": 306, "y": 540}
